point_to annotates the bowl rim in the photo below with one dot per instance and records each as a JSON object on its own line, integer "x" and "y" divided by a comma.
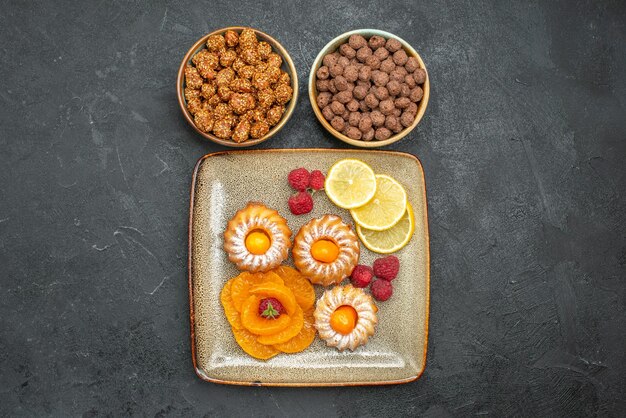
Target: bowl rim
{"x": 313, "y": 90}
{"x": 277, "y": 47}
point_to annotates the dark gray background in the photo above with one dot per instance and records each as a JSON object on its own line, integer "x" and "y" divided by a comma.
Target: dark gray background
{"x": 523, "y": 145}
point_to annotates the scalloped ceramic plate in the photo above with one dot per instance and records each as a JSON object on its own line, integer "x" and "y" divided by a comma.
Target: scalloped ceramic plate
{"x": 222, "y": 184}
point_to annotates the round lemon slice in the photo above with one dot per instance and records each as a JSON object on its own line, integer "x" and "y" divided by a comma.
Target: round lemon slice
{"x": 385, "y": 209}
{"x": 350, "y": 183}
{"x": 392, "y": 239}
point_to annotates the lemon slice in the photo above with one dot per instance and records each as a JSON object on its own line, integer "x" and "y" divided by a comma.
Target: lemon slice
{"x": 392, "y": 239}
{"x": 350, "y": 183}
{"x": 386, "y": 207}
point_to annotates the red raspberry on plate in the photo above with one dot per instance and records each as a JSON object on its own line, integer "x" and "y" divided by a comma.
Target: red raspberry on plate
{"x": 361, "y": 276}
{"x": 271, "y": 308}
{"x": 386, "y": 268}
{"x": 301, "y": 203}
{"x": 382, "y": 290}
{"x": 299, "y": 179}
{"x": 317, "y": 180}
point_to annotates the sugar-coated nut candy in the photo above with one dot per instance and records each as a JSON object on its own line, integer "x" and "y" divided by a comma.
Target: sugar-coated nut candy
{"x": 238, "y": 64}
{"x": 407, "y": 118}
{"x": 224, "y": 92}
{"x": 227, "y": 57}
{"x": 192, "y": 78}
{"x": 247, "y": 72}
{"x": 387, "y": 65}
{"x": 274, "y": 60}
{"x": 363, "y": 53}
{"x": 360, "y": 92}
{"x": 284, "y": 78}
{"x": 261, "y": 80}
{"x": 343, "y": 96}
{"x": 194, "y": 105}
{"x": 416, "y": 94}
{"x": 266, "y": 98}
{"x": 369, "y": 135}
{"x": 341, "y": 83}
{"x": 381, "y": 93}
{"x": 222, "y": 128}
{"x": 352, "y": 105}
{"x": 393, "y": 45}
{"x": 405, "y": 90}
{"x": 382, "y": 133}
{"x": 255, "y": 115}
{"x": 351, "y": 73}
{"x": 365, "y": 124}
{"x": 382, "y": 54}
{"x": 411, "y": 64}
{"x": 393, "y": 87}
{"x": 193, "y": 93}
{"x": 200, "y": 56}
{"x": 240, "y": 85}
{"x": 332, "y": 87}
{"x": 380, "y": 78}
{"x": 376, "y": 42}
{"x": 393, "y": 123}
{"x": 241, "y": 131}
{"x": 322, "y": 85}
{"x": 330, "y": 59}
{"x": 347, "y": 51}
{"x": 378, "y": 119}
{"x": 353, "y": 132}
{"x": 328, "y": 113}
{"x": 215, "y": 43}
{"x": 400, "y": 57}
{"x": 365, "y": 73}
{"x": 273, "y": 73}
{"x": 343, "y": 61}
{"x": 274, "y": 114}
{"x": 338, "y": 123}
{"x": 204, "y": 120}
{"x": 357, "y": 41}
{"x": 259, "y": 129}
{"x": 247, "y": 38}
{"x": 323, "y": 99}
{"x": 224, "y": 77}
{"x": 412, "y": 108}
{"x": 283, "y": 93}
{"x": 322, "y": 73}
{"x": 231, "y": 38}
{"x": 410, "y": 81}
{"x": 264, "y": 49}
{"x": 222, "y": 111}
{"x": 250, "y": 56}
{"x": 336, "y": 70}
{"x": 354, "y": 118}
{"x": 386, "y": 107}
{"x": 214, "y": 100}
{"x": 337, "y": 108}
{"x": 419, "y": 75}
{"x": 402, "y": 102}
{"x": 371, "y": 101}
{"x": 373, "y": 62}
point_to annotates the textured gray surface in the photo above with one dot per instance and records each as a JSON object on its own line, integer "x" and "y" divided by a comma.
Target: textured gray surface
{"x": 522, "y": 144}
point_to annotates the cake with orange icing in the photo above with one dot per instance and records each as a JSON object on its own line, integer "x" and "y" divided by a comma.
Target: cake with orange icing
{"x": 326, "y": 250}
{"x": 345, "y": 317}
{"x": 257, "y": 238}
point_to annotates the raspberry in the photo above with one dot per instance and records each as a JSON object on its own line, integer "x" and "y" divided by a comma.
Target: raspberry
{"x": 386, "y": 268}
{"x": 382, "y": 290}
{"x": 301, "y": 203}
{"x": 299, "y": 179}
{"x": 361, "y": 276}
{"x": 317, "y": 180}
{"x": 271, "y": 308}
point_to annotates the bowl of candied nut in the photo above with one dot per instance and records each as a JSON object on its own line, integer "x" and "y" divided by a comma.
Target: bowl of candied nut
{"x": 237, "y": 86}
{"x": 369, "y": 88}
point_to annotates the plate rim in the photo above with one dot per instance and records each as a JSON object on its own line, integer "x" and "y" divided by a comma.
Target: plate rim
{"x": 201, "y": 373}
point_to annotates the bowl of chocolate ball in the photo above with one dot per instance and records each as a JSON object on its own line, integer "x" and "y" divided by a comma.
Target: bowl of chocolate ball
{"x": 369, "y": 88}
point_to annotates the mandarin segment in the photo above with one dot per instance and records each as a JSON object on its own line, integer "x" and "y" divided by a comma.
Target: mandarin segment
{"x": 304, "y": 339}
{"x": 240, "y": 289}
{"x": 232, "y": 315}
{"x": 293, "y": 329}
{"x": 280, "y": 292}
{"x": 255, "y": 323}
{"x": 247, "y": 341}
{"x": 300, "y": 286}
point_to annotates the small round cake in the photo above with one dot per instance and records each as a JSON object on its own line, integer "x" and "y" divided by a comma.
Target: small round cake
{"x": 345, "y": 317}
{"x": 326, "y": 250}
{"x": 257, "y": 238}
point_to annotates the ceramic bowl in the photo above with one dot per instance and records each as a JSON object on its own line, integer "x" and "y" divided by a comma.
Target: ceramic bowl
{"x": 288, "y": 66}
{"x": 331, "y": 47}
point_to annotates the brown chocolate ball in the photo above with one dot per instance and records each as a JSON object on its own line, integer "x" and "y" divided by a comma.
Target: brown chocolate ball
{"x": 380, "y": 78}
{"x": 343, "y": 61}
{"x": 330, "y": 59}
{"x": 386, "y": 107}
{"x": 341, "y": 83}
{"x": 397, "y": 112}
{"x": 381, "y": 93}
{"x": 344, "y": 96}
{"x": 402, "y": 102}
{"x": 381, "y": 53}
{"x": 360, "y": 92}
{"x": 400, "y": 57}
{"x": 416, "y": 94}
{"x": 353, "y": 132}
{"x": 336, "y": 70}
{"x": 328, "y": 114}
{"x": 371, "y": 101}
{"x": 322, "y": 73}
{"x": 412, "y": 108}
{"x": 352, "y": 105}
{"x": 393, "y": 123}
{"x": 393, "y": 87}
{"x": 331, "y": 86}
{"x": 378, "y": 119}
{"x": 382, "y": 133}
{"x": 411, "y": 64}
{"x": 407, "y": 118}
{"x": 393, "y": 45}
{"x": 410, "y": 81}
{"x": 347, "y": 51}
{"x": 338, "y": 123}
{"x": 363, "y": 53}
{"x": 323, "y": 99}
{"x": 367, "y": 84}
{"x": 387, "y": 65}
{"x": 365, "y": 73}
{"x": 322, "y": 85}
{"x": 351, "y": 73}
{"x": 365, "y": 124}
{"x": 369, "y": 135}
{"x": 357, "y": 41}
{"x": 354, "y": 118}
{"x": 363, "y": 106}
{"x": 373, "y": 62}
{"x": 376, "y": 42}
{"x": 419, "y": 75}
{"x": 397, "y": 75}
{"x": 350, "y": 87}
{"x": 337, "y": 107}
{"x": 405, "y": 90}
